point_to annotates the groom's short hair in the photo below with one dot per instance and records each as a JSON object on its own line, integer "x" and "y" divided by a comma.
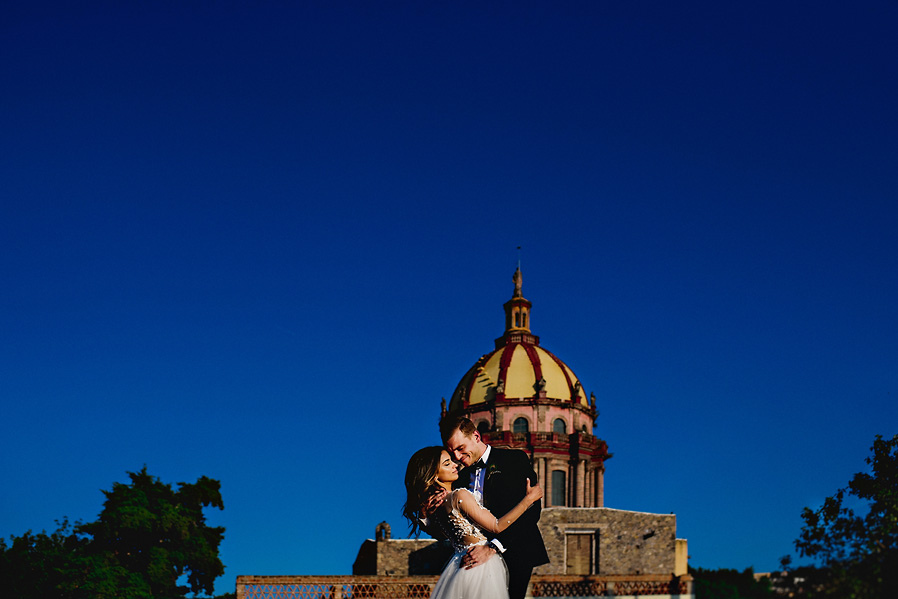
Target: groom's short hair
{"x": 450, "y": 424}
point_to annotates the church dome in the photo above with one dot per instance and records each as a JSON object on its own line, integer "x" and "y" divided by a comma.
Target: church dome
{"x": 518, "y": 369}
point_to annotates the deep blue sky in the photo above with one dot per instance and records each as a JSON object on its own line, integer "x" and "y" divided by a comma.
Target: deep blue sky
{"x": 260, "y": 242}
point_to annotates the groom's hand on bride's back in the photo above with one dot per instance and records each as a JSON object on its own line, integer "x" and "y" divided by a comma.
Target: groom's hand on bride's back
{"x": 435, "y": 500}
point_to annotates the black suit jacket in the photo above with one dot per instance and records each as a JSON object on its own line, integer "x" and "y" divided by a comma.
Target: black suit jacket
{"x": 503, "y": 488}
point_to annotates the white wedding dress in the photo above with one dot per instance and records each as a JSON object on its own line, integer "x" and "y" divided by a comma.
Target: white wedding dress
{"x": 463, "y": 523}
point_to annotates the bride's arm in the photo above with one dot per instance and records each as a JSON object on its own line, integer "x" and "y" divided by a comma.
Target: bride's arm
{"x": 485, "y": 519}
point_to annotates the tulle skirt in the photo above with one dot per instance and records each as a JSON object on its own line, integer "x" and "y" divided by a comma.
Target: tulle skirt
{"x": 486, "y": 581}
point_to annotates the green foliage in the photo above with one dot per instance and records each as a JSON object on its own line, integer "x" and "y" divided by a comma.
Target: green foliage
{"x": 729, "y": 584}
{"x": 147, "y": 536}
{"x": 37, "y": 565}
{"x": 860, "y": 553}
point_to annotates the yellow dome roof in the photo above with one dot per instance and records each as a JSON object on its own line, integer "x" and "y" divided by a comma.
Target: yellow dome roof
{"x": 517, "y": 370}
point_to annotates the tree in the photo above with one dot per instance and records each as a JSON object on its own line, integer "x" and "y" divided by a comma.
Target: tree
{"x": 725, "y": 583}
{"x": 147, "y": 537}
{"x": 37, "y": 565}
{"x": 860, "y": 552}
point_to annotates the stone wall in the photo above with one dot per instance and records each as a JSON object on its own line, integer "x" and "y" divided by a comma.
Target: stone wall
{"x": 400, "y": 557}
{"x": 624, "y": 542}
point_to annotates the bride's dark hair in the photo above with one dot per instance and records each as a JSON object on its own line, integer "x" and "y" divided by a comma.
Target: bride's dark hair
{"x": 420, "y": 483}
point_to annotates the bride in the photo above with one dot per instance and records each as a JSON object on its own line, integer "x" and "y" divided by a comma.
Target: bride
{"x": 463, "y": 520}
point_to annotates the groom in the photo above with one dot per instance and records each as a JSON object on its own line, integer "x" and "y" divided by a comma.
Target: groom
{"x": 498, "y": 475}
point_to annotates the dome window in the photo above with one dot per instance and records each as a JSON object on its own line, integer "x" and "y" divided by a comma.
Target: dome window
{"x": 521, "y": 425}
{"x": 559, "y": 426}
{"x": 559, "y": 488}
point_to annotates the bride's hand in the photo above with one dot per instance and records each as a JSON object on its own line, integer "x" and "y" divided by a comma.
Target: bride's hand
{"x": 433, "y": 502}
{"x": 534, "y": 494}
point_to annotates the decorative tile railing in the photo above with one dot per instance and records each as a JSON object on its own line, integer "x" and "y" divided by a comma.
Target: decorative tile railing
{"x": 420, "y": 587}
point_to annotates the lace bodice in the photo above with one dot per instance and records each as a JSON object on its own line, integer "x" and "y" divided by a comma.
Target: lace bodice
{"x": 458, "y": 524}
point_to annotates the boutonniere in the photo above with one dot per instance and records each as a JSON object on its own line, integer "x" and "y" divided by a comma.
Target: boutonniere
{"x": 491, "y": 470}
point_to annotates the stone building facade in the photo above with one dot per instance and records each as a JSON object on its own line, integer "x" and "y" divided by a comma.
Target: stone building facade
{"x": 606, "y": 541}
